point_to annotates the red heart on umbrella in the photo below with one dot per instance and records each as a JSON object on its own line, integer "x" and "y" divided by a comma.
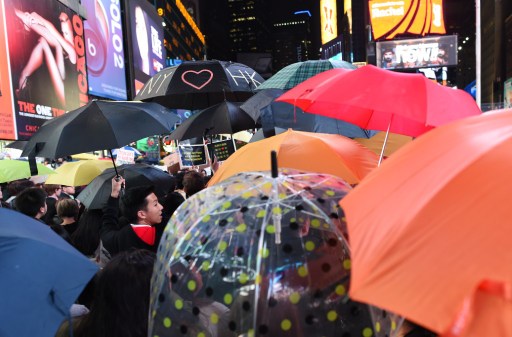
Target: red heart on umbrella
{"x": 194, "y": 73}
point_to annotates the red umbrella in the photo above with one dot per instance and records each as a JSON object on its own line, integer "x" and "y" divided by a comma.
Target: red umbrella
{"x": 378, "y": 99}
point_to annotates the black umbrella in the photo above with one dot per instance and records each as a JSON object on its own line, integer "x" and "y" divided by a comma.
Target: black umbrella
{"x": 96, "y": 194}
{"x": 99, "y": 125}
{"x": 260, "y": 100}
{"x": 226, "y": 117}
{"x": 17, "y": 144}
{"x": 197, "y": 85}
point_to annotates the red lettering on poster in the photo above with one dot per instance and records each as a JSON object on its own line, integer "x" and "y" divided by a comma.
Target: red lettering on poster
{"x": 80, "y": 64}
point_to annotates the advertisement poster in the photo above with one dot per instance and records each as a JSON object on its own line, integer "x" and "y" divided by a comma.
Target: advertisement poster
{"x": 222, "y": 150}
{"x": 104, "y": 49}
{"x": 192, "y": 155}
{"x": 47, "y": 61}
{"x": 7, "y": 117}
{"x": 393, "y": 17}
{"x": 151, "y": 148}
{"x": 507, "y": 93}
{"x": 328, "y": 20}
{"x": 417, "y": 53}
{"x": 146, "y": 41}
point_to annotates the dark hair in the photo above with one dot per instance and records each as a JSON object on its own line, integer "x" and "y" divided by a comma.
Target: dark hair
{"x": 30, "y": 201}
{"x": 134, "y": 200}
{"x": 121, "y": 299}
{"x": 170, "y": 203}
{"x": 86, "y": 237}
{"x": 67, "y": 208}
{"x": 179, "y": 179}
{"x": 192, "y": 183}
{"x": 17, "y": 186}
{"x": 51, "y": 188}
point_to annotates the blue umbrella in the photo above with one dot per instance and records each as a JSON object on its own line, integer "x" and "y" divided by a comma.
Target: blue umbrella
{"x": 42, "y": 275}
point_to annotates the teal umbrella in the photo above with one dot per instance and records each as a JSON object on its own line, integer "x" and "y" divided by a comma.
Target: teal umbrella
{"x": 296, "y": 73}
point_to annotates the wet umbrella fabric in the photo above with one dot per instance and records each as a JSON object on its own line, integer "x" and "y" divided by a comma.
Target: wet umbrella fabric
{"x": 430, "y": 229}
{"x": 226, "y": 117}
{"x": 296, "y": 73}
{"x": 96, "y": 194}
{"x": 221, "y": 272}
{"x": 42, "y": 275}
{"x": 99, "y": 125}
{"x": 195, "y": 85}
{"x": 17, "y": 144}
{"x": 78, "y": 173}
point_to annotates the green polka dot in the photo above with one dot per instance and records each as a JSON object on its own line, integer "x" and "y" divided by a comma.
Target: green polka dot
{"x": 188, "y": 236}
{"x": 228, "y": 299}
{"x": 315, "y": 223}
{"x": 295, "y": 297}
{"x": 243, "y": 278}
{"x": 214, "y": 318}
{"x": 167, "y": 322}
{"x": 250, "y": 333}
{"x": 258, "y": 279}
{"x": 330, "y": 193}
{"x": 286, "y": 324}
{"x": 201, "y": 334}
{"x": 367, "y": 332}
{"x": 332, "y": 315}
{"x": 261, "y": 213}
{"x": 377, "y": 327}
{"x": 271, "y": 229}
{"x": 153, "y": 313}
{"x": 340, "y": 290}
{"x": 191, "y": 285}
{"x": 310, "y": 246}
{"x": 227, "y": 204}
{"x": 247, "y": 195}
{"x": 281, "y": 196}
{"x": 303, "y": 271}
{"x": 223, "y": 245}
{"x": 276, "y": 210}
{"x": 206, "y": 218}
{"x": 241, "y": 228}
{"x": 264, "y": 253}
{"x": 178, "y": 304}
{"x": 347, "y": 264}
{"x": 205, "y": 265}
{"x": 393, "y": 325}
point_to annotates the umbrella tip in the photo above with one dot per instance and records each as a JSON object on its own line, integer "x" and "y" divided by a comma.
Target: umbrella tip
{"x": 273, "y": 164}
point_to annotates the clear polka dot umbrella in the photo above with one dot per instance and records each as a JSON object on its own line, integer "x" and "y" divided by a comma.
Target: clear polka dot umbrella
{"x": 260, "y": 256}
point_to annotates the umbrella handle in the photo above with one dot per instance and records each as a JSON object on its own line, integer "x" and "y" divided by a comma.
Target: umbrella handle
{"x": 273, "y": 164}
{"x": 113, "y": 162}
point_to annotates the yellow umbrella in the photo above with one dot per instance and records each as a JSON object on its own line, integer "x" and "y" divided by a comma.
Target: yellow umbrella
{"x": 84, "y": 156}
{"x": 308, "y": 151}
{"x": 375, "y": 143}
{"x": 78, "y": 173}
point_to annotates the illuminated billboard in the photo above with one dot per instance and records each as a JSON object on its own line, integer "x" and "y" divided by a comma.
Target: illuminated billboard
{"x": 104, "y": 48}
{"x": 438, "y": 51}
{"x": 392, "y": 17}
{"x": 328, "y": 20}
{"x": 146, "y": 42}
{"x": 46, "y": 59}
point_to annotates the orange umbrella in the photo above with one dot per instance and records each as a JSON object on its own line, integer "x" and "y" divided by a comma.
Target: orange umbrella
{"x": 308, "y": 151}
{"x": 376, "y": 143}
{"x": 434, "y": 222}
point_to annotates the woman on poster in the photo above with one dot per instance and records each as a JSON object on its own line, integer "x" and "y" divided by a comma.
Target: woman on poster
{"x": 53, "y": 48}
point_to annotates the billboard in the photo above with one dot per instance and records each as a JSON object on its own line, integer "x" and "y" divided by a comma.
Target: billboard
{"x": 507, "y": 93}
{"x": 46, "y": 57}
{"x": 417, "y": 53}
{"x": 104, "y": 49}
{"x": 145, "y": 41}
{"x": 392, "y": 17}
{"x": 328, "y": 20}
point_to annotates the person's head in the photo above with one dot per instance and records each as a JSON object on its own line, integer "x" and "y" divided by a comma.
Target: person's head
{"x": 15, "y": 187}
{"x": 140, "y": 206}
{"x": 121, "y": 301}
{"x": 68, "y": 208}
{"x": 86, "y": 237}
{"x": 388, "y": 55}
{"x": 192, "y": 183}
{"x": 179, "y": 179}
{"x": 441, "y": 55}
{"x": 52, "y": 190}
{"x": 70, "y": 190}
{"x": 66, "y": 27}
{"x": 32, "y": 202}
